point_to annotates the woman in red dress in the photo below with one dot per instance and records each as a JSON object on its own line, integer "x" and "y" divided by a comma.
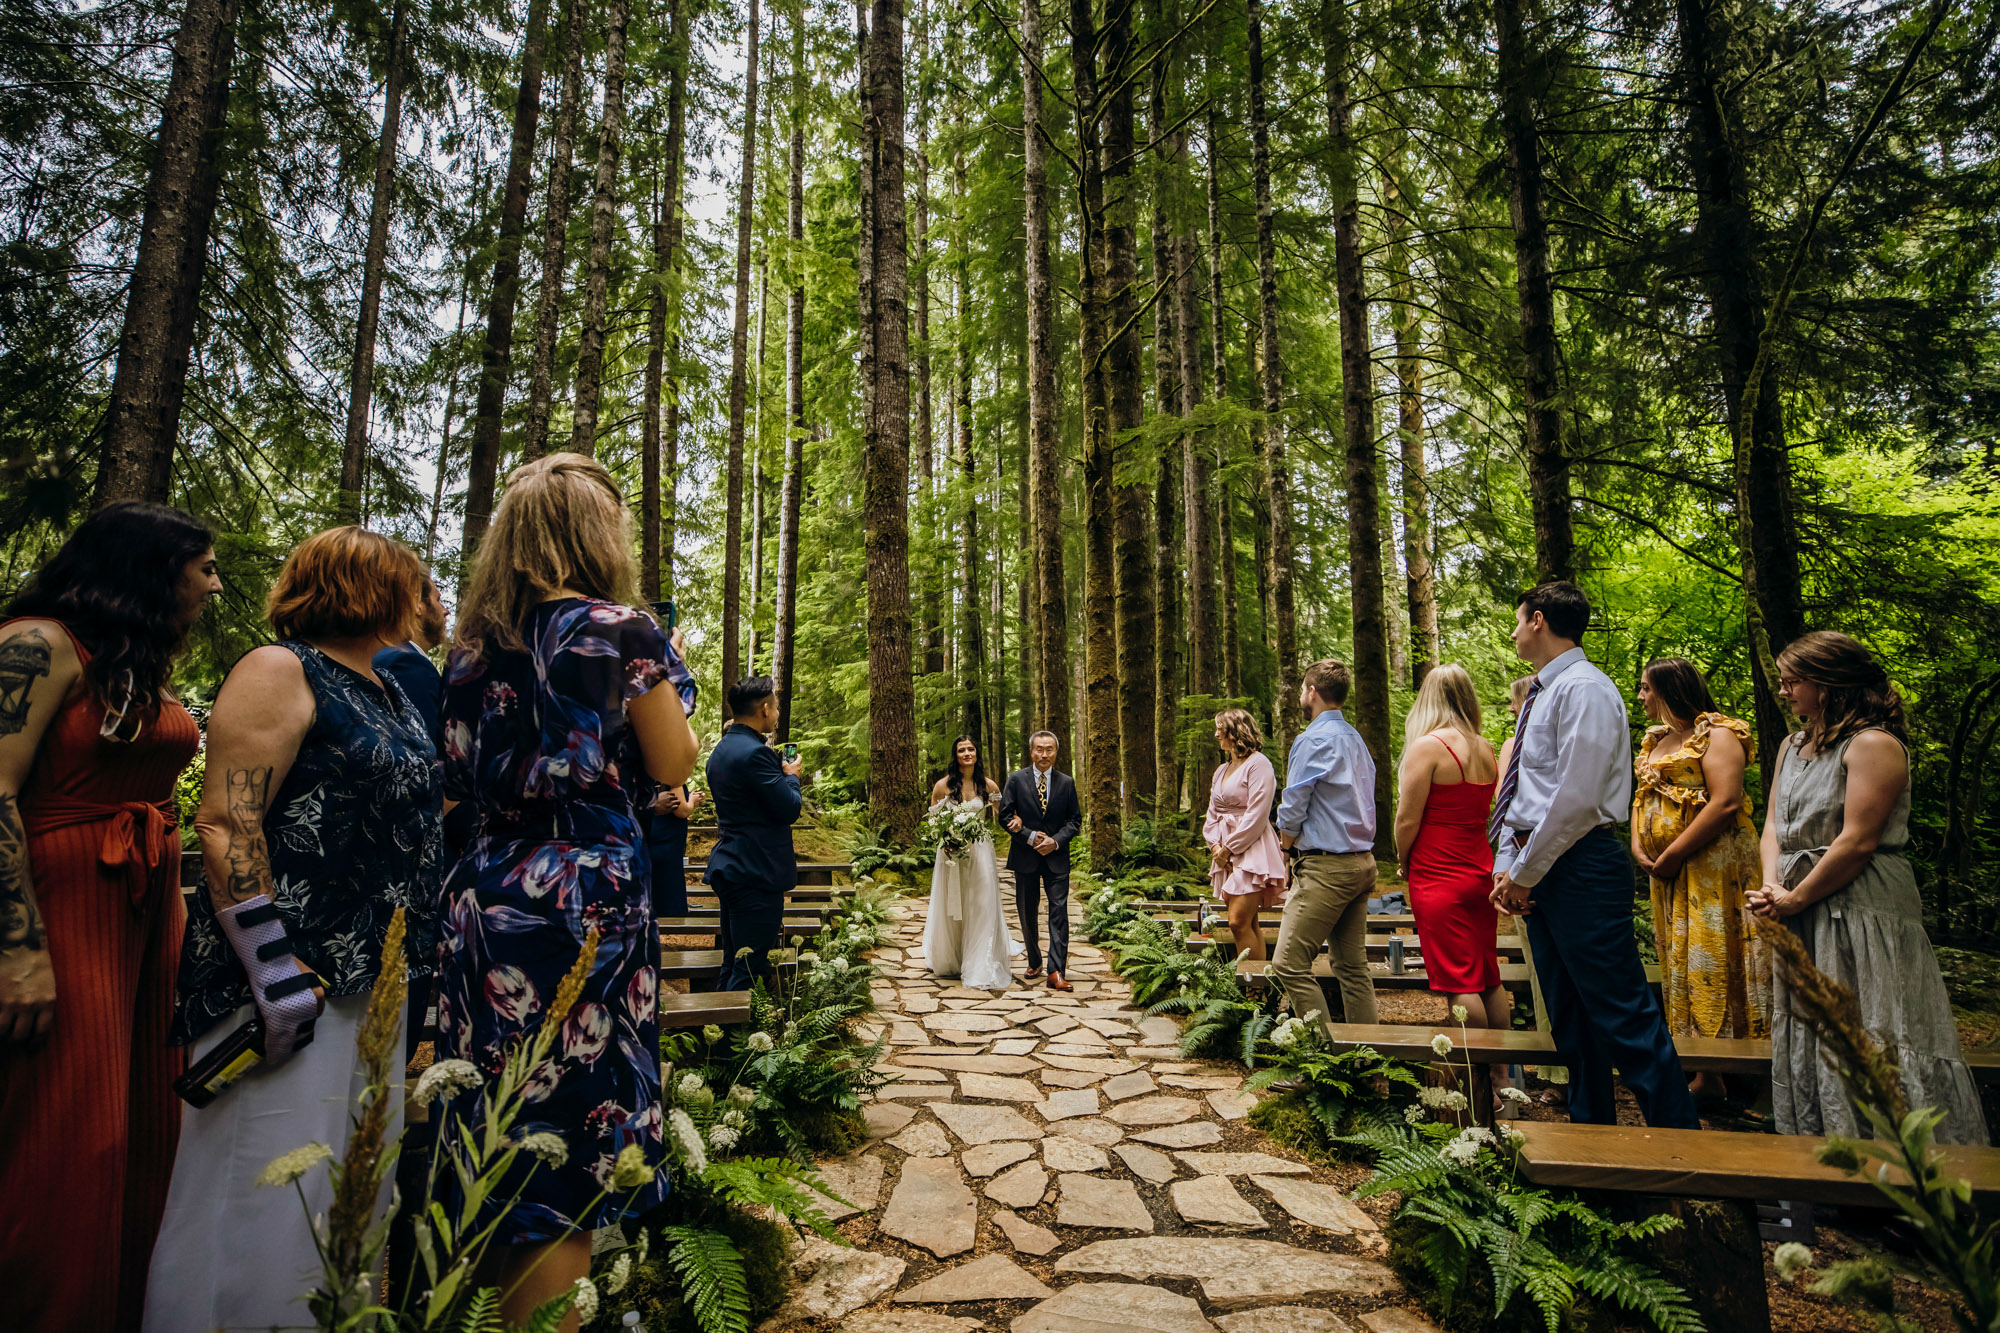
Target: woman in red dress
{"x": 91, "y": 741}
{"x": 1448, "y": 777}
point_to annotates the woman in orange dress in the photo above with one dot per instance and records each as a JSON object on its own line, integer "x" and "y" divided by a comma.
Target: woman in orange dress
{"x": 91, "y": 742}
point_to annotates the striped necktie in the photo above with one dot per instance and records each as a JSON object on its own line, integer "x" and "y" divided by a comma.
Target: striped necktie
{"x": 1496, "y": 825}
{"x": 1042, "y": 789}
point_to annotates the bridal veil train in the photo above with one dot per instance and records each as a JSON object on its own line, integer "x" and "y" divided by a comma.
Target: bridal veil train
{"x": 966, "y": 934}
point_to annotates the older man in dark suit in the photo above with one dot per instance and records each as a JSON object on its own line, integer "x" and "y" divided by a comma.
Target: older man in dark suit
{"x": 1038, "y": 806}
{"x": 757, "y": 800}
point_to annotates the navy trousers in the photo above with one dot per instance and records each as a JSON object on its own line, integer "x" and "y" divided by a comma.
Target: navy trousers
{"x": 751, "y": 919}
{"x": 1030, "y": 888}
{"x": 1603, "y": 1014}
{"x": 667, "y": 844}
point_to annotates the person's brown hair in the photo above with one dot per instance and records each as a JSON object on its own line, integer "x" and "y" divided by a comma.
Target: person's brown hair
{"x": 1564, "y": 608}
{"x": 1245, "y": 736}
{"x": 1517, "y": 693}
{"x": 1329, "y": 679}
{"x": 1680, "y": 686}
{"x": 1855, "y": 693}
{"x": 561, "y": 523}
{"x": 345, "y": 583}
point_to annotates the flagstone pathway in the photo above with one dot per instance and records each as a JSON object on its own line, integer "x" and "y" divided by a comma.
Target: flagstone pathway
{"x": 1048, "y": 1163}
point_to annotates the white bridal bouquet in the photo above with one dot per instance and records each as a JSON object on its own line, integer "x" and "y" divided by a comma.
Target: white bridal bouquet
{"x": 954, "y": 826}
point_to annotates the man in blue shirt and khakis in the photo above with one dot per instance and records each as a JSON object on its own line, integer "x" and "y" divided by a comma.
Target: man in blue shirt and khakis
{"x": 1327, "y": 821}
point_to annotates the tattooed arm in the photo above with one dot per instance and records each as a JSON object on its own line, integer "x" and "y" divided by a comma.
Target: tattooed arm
{"x": 38, "y": 667}
{"x": 260, "y": 718}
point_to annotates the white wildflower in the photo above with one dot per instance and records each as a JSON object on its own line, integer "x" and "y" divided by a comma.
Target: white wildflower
{"x": 1285, "y": 1034}
{"x": 691, "y": 1087}
{"x": 1510, "y": 1135}
{"x": 446, "y": 1078}
{"x": 1476, "y": 1133}
{"x": 288, "y": 1167}
{"x": 1458, "y": 1013}
{"x": 1413, "y": 1115}
{"x": 1463, "y": 1152}
{"x": 1432, "y": 1097}
{"x": 711, "y": 1034}
{"x": 1441, "y": 1045}
{"x": 1555, "y": 1073}
{"x": 758, "y": 1042}
{"x": 645, "y": 1244}
{"x": 1790, "y": 1260}
{"x": 1181, "y": 979}
{"x": 1454, "y": 1100}
{"x": 839, "y": 964}
{"x": 620, "y": 1274}
{"x": 808, "y": 957}
{"x": 584, "y": 1300}
{"x": 632, "y": 1170}
{"x": 689, "y": 1140}
{"x": 549, "y": 1147}
{"x": 1513, "y": 1094}
{"x": 741, "y": 1095}
{"x": 722, "y": 1138}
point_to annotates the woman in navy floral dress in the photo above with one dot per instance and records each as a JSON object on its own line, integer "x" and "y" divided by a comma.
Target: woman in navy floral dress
{"x": 556, "y": 731}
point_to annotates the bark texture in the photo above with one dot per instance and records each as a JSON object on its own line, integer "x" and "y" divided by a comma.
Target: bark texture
{"x": 555, "y": 234}
{"x": 1204, "y": 647}
{"x": 1051, "y": 593}
{"x": 1169, "y": 494}
{"x": 739, "y": 351}
{"x": 1420, "y": 582}
{"x": 142, "y": 420}
{"x": 374, "y": 264}
{"x": 670, "y": 434}
{"x": 784, "y": 636}
{"x": 603, "y": 216}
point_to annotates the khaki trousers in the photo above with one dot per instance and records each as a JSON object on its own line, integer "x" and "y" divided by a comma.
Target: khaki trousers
{"x": 1329, "y": 901}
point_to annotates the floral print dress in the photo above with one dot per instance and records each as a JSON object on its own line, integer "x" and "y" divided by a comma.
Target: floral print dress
{"x": 540, "y": 744}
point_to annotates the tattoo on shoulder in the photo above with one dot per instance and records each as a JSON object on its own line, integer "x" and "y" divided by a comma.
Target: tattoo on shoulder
{"x": 20, "y": 915}
{"x": 247, "y": 856}
{"x": 24, "y": 659}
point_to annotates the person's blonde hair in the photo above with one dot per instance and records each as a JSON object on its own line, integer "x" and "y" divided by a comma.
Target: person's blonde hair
{"x": 561, "y": 523}
{"x": 1517, "y": 693}
{"x": 1242, "y": 731}
{"x": 1447, "y": 699}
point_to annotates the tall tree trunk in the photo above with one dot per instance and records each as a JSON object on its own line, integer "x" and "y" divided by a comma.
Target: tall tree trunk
{"x": 484, "y": 461}
{"x": 649, "y": 412}
{"x": 1225, "y": 504}
{"x": 1125, "y": 397}
{"x": 574, "y": 37}
{"x": 739, "y": 339}
{"x": 1731, "y": 245}
{"x": 142, "y": 421}
{"x": 1169, "y": 494}
{"x": 784, "y": 637}
{"x": 375, "y": 262}
{"x": 1521, "y": 74}
{"x": 1369, "y": 704}
{"x": 758, "y": 507}
{"x": 1051, "y": 593}
{"x": 678, "y": 48}
{"x": 1028, "y": 718}
{"x": 920, "y": 277}
{"x": 893, "y": 795}
{"x": 603, "y": 215}
{"x": 1232, "y": 621}
{"x": 1198, "y": 483}
{"x": 1284, "y": 632}
{"x": 1420, "y": 583}
{"x": 1100, "y": 600}
{"x": 972, "y": 644}
{"x": 451, "y": 391}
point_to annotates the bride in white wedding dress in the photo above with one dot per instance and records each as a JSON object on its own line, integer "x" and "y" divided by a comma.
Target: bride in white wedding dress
{"x": 966, "y": 934}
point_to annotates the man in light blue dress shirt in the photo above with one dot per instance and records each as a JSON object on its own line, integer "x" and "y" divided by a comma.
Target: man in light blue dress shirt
{"x": 1326, "y": 818}
{"x": 1568, "y": 781}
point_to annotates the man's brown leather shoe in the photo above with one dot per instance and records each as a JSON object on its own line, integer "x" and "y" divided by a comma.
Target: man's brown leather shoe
{"x": 1056, "y": 982}
{"x": 1034, "y": 971}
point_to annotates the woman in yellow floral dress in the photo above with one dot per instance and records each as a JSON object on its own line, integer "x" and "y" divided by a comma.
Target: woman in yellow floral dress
{"x": 1692, "y": 833}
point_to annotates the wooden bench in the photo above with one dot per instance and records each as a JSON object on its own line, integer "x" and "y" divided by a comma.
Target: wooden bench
{"x": 814, "y": 912}
{"x": 812, "y": 874}
{"x": 803, "y": 894}
{"x": 1514, "y": 976}
{"x": 696, "y": 1008}
{"x": 711, "y": 925}
{"x": 1377, "y": 945}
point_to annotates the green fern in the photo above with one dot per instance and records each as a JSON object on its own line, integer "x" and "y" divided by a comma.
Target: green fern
{"x": 711, "y": 1274}
{"x": 778, "y": 1183}
{"x": 482, "y": 1312}
{"x": 548, "y": 1316}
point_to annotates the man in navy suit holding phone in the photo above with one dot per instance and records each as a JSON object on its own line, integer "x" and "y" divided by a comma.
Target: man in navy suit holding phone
{"x": 757, "y": 800}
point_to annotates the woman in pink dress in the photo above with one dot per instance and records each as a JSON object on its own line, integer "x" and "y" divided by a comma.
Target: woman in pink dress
{"x": 1447, "y": 783}
{"x": 1248, "y": 870}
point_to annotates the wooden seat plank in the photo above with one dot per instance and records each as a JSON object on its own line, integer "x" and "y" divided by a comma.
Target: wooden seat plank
{"x": 1711, "y": 1164}
{"x": 699, "y": 1007}
{"x": 1514, "y": 976}
{"x": 690, "y": 964}
{"x": 712, "y": 925}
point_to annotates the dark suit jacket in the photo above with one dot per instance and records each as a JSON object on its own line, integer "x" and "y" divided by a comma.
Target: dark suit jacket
{"x": 1061, "y": 821}
{"x": 756, "y": 803}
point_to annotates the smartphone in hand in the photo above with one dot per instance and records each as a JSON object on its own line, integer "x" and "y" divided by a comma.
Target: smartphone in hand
{"x": 791, "y": 753}
{"x": 668, "y": 614}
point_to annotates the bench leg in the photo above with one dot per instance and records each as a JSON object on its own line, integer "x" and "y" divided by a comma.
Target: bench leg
{"x": 1715, "y": 1255}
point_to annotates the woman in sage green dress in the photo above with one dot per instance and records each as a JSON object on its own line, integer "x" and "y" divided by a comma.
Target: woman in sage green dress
{"x": 1834, "y": 872}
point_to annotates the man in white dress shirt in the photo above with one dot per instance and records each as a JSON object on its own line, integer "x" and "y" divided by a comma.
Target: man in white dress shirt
{"x": 1568, "y": 781}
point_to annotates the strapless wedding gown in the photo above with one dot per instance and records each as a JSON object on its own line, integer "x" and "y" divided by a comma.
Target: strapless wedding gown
{"x": 966, "y": 934}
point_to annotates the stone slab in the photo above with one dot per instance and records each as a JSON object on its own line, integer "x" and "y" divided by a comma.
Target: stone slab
{"x": 1095, "y": 1130}
{"x": 1108, "y": 1027}
{"x": 1153, "y": 1052}
{"x": 1068, "y": 1103}
{"x": 908, "y": 1321}
{"x": 1159, "y": 1030}
{"x": 923, "y": 1139}
{"x": 886, "y": 1118}
{"x": 1065, "y": 1078}
{"x": 855, "y": 1179}
{"x": 1055, "y": 1025}
{"x": 984, "y": 1124}
{"x": 1015, "y": 1045}
{"x": 1019, "y": 1186}
{"x": 1200, "y": 1082}
{"x": 1129, "y": 1085}
{"x": 965, "y": 1020}
{"x": 1232, "y": 1105}
{"x": 1213, "y": 1201}
{"x": 993, "y": 1088}
{"x": 1195, "y": 1134}
{"x": 1083, "y": 1064}
{"x": 991, "y": 1277}
{"x": 906, "y": 1092}
{"x": 840, "y": 1282}
{"x": 967, "y": 1063}
{"x": 1155, "y": 1168}
{"x": 1113, "y": 1307}
{"x": 1241, "y": 1164}
{"x": 1060, "y": 1153}
{"x": 1024, "y": 1235}
{"x": 1155, "y": 1111}
{"x": 987, "y": 1158}
{"x": 932, "y": 1208}
{"x": 918, "y": 1075}
{"x": 1320, "y": 1206}
{"x": 1234, "y": 1271}
{"x": 1100, "y": 1201}
{"x": 1284, "y": 1319}
{"x": 1395, "y": 1320}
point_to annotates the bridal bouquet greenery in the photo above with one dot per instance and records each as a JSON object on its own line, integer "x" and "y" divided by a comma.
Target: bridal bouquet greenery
{"x": 954, "y": 826}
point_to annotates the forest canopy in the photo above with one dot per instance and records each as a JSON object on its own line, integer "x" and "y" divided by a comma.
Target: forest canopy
{"x": 976, "y": 367}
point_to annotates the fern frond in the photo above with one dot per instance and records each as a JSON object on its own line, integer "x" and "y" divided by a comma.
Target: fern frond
{"x": 1644, "y": 1292}
{"x": 711, "y": 1274}
{"x": 482, "y": 1312}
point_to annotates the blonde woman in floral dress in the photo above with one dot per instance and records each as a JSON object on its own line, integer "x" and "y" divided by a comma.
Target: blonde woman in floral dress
{"x": 1691, "y": 832}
